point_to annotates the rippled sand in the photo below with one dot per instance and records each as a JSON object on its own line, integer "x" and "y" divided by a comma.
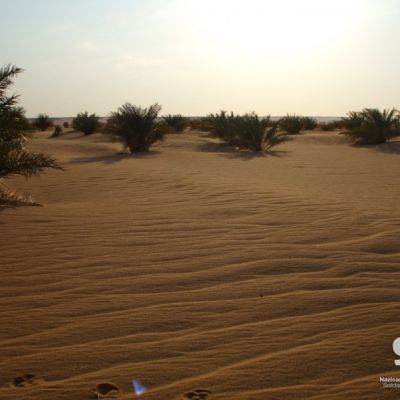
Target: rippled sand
{"x": 204, "y": 272}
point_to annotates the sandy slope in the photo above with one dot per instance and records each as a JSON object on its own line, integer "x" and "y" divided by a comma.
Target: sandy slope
{"x": 196, "y": 267}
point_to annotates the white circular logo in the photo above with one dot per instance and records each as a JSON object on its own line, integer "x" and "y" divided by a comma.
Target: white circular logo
{"x": 396, "y": 349}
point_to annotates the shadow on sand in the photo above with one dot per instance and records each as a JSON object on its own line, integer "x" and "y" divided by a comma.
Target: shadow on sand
{"x": 6, "y": 206}
{"x": 96, "y": 137}
{"x": 230, "y": 152}
{"x": 113, "y": 158}
{"x": 389, "y": 147}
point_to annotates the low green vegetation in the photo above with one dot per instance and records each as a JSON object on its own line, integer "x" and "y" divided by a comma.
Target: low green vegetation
{"x": 247, "y": 131}
{"x": 292, "y": 124}
{"x": 353, "y": 120}
{"x": 42, "y": 122}
{"x": 86, "y": 123}
{"x": 309, "y": 123}
{"x": 222, "y": 125}
{"x": 14, "y": 158}
{"x": 372, "y": 126}
{"x": 330, "y": 126}
{"x": 175, "y": 123}
{"x": 138, "y": 128}
{"x": 200, "y": 124}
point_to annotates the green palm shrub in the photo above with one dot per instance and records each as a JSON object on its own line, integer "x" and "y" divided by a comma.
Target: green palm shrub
{"x": 175, "y": 123}
{"x": 338, "y": 124}
{"x": 43, "y": 122}
{"x": 137, "y": 127}
{"x": 330, "y": 126}
{"x": 353, "y": 120}
{"x": 247, "y": 131}
{"x": 17, "y": 115}
{"x": 326, "y": 126}
{"x": 86, "y": 123}
{"x": 200, "y": 124}
{"x": 376, "y": 127}
{"x": 309, "y": 123}
{"x": 292, "y": 124}
{"x": 223, "y": 125}
{"x": 14, "y": 158}
{"x": 255, "y": 133}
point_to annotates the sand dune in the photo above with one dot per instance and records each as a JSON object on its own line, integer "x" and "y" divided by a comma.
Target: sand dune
{"x": 204, "y": 272}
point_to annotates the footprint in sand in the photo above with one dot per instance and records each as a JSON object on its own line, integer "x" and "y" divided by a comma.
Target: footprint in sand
{"x": 25, "y": 380}
{"x": 197, "y": 394}
{"x": 106, "y": 390}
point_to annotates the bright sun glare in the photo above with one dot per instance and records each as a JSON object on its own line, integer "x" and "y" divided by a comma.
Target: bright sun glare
{"x": 274, "y": 27}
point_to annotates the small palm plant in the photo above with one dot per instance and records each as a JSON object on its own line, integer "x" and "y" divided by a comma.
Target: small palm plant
{"x": 136, "y": 127}
{"x": 330, "y": 126}
{"x": 175, "y": 123}
{"x": 292, "y": 124}
{"x": 248, "y": 131}
{"x": 42, "y": 122}
{"x": 326, "y": 126}
{"x": 376, "y": 127}
{"x": 14, "y": 158}
{"x": 309, "y": 123}
{"x": 86, "y": 123}
{"x": 223, "y": 125}
{"x": 200, "y": 124}
{"x": 354, "y": 120}
{"x": 256, "y": 134}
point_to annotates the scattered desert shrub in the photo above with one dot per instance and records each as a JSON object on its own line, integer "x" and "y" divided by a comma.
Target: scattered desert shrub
{"x": 247, "y": 131}
{"x": 66, "y": 125}
{"x": 43, "y": 122}
{"x": 86, "y": 123}
{"x": 309, "y": 123}
{"x": 223, "y": 125}
{"x": 136, "y": 127}
{"x": 200, "y": 124}
{"x": 56, "y": 132}
{"x": 353, "y": 120}
{"x": 330, "y": 126}
{"x": 376, "y": 126}
{"x": 338, "y": 124}
{"x": 175, "y": 123}
{"x": 257, "y": 134}
{"x": 14, "y": 158}
{"x": 326, "y": 126}
{"x": 292, "y": 124}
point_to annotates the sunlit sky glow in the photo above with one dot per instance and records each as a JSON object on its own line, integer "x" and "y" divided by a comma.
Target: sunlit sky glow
{"x": 310, "y": 57}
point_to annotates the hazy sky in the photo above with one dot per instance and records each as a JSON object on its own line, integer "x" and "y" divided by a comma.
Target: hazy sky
{"x": 310, "y": 57}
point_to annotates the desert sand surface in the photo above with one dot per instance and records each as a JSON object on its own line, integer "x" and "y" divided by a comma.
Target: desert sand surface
{"x": 204, "y": 272}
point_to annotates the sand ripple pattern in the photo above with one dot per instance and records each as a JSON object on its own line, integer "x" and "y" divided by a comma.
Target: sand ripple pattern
{"x": 195, "y": 267}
